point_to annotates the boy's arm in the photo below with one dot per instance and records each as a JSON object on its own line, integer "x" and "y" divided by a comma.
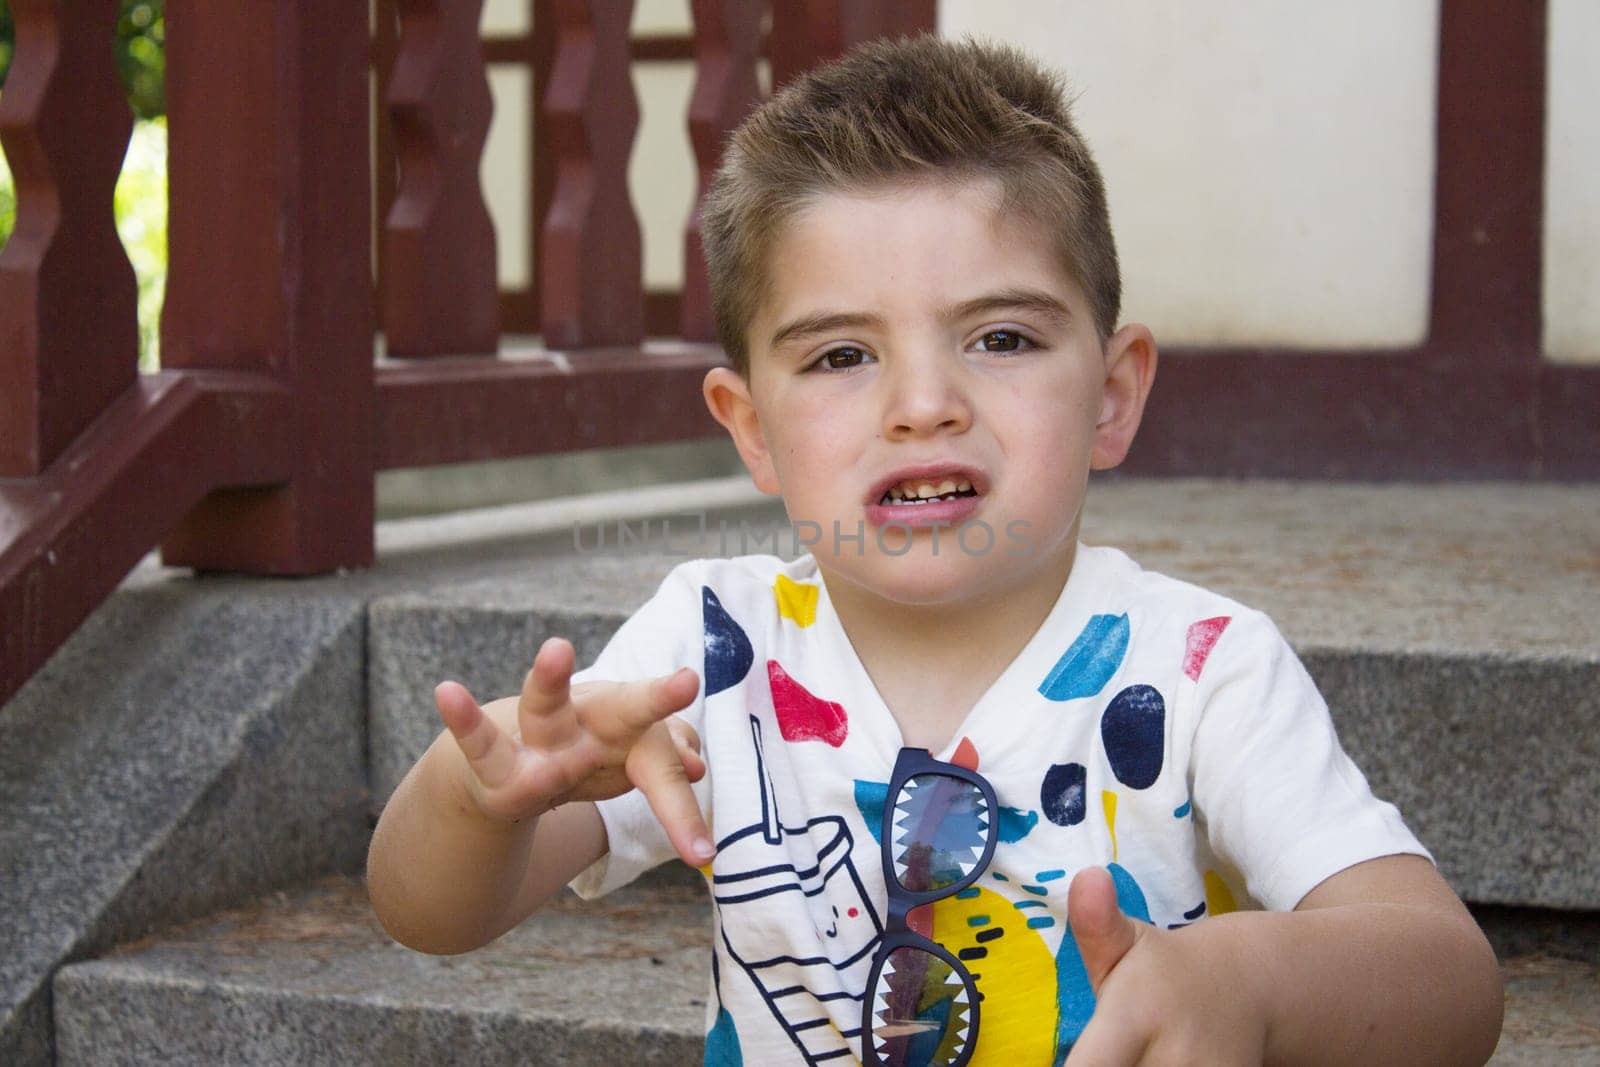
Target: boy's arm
{"x": 1379, "y": 964}
{"x": 444, "y": 878}
{"x": 497, "y": 815}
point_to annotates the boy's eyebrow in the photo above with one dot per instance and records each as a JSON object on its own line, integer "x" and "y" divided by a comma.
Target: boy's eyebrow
{"x": 1035, "y": 300}
{"x": 823, "y": 322}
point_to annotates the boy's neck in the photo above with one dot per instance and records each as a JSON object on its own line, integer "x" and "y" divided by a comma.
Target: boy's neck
{"x": 932, "y": 663}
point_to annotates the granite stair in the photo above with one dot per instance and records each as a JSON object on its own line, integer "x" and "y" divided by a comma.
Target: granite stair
{"x": 186, "y": 789}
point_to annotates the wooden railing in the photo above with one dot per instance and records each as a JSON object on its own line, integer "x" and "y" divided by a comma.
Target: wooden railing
{"x": 254, "y": 448}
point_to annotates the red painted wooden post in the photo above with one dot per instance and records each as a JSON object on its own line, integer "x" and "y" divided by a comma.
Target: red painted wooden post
{"x": 439, "y": 295}
{"x": 270, "y": 265}
{"x": 69, "y": 330}
{"x": 1489, "y": 188}
{"x": 727, "y": 40}
{"x": 592, "y": 284}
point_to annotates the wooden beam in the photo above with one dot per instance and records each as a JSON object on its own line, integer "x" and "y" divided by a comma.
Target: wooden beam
{"x": 70, "y": 535}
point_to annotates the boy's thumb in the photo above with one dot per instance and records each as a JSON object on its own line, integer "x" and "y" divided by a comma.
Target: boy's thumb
{"x": 1104, "y": 934}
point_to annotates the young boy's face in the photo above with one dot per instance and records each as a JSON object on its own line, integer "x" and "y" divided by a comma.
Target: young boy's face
{"x": 915, "y": 340}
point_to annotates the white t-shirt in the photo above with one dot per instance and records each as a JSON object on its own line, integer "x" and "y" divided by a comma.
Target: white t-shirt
{"x": 1149, "y": 726}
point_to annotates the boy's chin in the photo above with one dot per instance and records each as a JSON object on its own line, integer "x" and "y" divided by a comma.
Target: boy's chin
{"x": 920, "y": 578}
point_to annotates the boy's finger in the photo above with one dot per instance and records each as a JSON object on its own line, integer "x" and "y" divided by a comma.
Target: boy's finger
{"x": 547, "y": 685}
{"x": 489, "y": 752}
{"x": 687, "y": 742}
{"x": 1104, "y": 934}
{"x": 654, "y": 766}
{"x": 635, "y": 707}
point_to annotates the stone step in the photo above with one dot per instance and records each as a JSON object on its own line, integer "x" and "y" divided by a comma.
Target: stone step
{"x": 203, "y": 739}
{"x": 310, "y": 978}
{"x": 188, "y": 748}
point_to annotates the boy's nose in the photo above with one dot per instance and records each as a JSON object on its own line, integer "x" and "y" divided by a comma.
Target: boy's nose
{"x": 925, "y": 397}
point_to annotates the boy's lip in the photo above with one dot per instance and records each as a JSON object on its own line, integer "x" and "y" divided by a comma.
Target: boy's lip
{"x": 928, "y": 472}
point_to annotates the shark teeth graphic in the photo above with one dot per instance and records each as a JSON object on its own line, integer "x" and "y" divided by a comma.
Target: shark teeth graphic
{"x": 939, "y": 827}
{"x": 880, "y": 1004}
{"x": 892, "y": 1029}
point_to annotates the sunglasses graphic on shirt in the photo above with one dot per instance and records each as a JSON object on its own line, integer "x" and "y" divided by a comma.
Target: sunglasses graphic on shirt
{"x": 940, "y": 827}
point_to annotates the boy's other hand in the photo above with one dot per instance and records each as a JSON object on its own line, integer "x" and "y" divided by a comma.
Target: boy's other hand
{"x": 556, "y": 742}
{"x": 1161, "y": 996}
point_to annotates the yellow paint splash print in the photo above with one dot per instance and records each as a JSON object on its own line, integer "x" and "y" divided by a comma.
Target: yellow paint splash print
{"x": 796, "y": 600}
{"x": 1014, "y": 970}
{"x": 1219, "y": 898}
{"x": 1108, "y": 801}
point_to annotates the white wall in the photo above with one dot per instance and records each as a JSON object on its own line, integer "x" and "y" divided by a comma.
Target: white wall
{"x": 660, "y": 173}
{"x": 1270, "y": 165}
{"x": 1572, "y": 186}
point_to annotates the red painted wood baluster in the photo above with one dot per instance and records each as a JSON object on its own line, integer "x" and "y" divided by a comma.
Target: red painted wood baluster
{"x": 727, "y": 40}
{"x": 69, "y": 329}
{"x": 592, "y": 284}
{"x": 439, "y": 276}
{"x": 270, "y": 265}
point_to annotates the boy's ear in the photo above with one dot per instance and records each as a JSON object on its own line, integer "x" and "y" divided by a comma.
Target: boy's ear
{"x": 728, "y": 398}
{"x": 1130, "y": 370}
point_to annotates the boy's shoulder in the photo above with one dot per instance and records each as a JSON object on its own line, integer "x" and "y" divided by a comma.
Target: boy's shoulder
{"x": 1132, "y": 579}
{"x": 1156, "y": 601}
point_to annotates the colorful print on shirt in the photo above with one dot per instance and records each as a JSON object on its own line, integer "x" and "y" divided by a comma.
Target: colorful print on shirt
{"x": 1134, "y": 687}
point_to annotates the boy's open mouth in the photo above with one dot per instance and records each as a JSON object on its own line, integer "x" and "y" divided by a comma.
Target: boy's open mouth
{"x": 917, "y": 491}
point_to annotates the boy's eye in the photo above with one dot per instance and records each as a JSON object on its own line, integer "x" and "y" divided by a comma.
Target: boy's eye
{"x": 842, "y": 358}
{"x": 1002, "y": 341}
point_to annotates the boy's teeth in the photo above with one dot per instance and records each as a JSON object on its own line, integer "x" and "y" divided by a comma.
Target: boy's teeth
{"x": 917, "y": 492}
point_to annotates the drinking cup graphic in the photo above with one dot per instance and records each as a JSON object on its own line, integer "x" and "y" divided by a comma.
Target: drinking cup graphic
{"x": 769, "y": 882}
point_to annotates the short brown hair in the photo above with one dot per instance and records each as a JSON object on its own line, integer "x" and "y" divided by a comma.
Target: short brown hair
{"x": 909, "y": 110}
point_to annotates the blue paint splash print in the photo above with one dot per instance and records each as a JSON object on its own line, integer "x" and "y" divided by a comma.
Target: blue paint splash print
{"x": 1091, "y": 661}
{"x": 728, "y": 651}
{"x": 1074, "y": 994}
{"x": 1133, "y": 731}
{"x": 1063, "y": 796}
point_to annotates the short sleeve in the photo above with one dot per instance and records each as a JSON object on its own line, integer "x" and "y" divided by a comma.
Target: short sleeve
{"x": 1279, "y": 798}
{"x": 659, "y": 638}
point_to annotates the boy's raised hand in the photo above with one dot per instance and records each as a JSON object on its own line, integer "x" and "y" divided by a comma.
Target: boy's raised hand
{"x": 1161, "y": 996}
{"x": 555, "y": 743}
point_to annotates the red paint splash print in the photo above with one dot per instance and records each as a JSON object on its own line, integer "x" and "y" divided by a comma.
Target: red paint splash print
{"x": 802, "y": 715}
{"x": 1202, "y": 637}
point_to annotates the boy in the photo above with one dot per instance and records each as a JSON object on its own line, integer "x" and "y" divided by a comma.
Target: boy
{"x": 915, "y": 280}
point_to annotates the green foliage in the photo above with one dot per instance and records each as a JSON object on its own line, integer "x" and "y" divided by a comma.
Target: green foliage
{"x": 140, "y": 51}
{"x": 141, "y": 195}
{"x": 8, "y": 203}
{"x": 141, "y": 210}
{"x": 140, "y": 205}
{"x": 8, "y": 36}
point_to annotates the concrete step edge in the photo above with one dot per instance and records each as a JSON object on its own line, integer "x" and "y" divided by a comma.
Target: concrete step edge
{"x": 296, "y": 976}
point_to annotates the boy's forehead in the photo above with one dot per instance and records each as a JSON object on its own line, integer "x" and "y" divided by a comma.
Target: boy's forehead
{"x": 941, "y": 244}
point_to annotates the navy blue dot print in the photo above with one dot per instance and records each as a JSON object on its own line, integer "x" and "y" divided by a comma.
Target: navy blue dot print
{"x": 1133, "y": 730}
{"x": 1062, "y": 796}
